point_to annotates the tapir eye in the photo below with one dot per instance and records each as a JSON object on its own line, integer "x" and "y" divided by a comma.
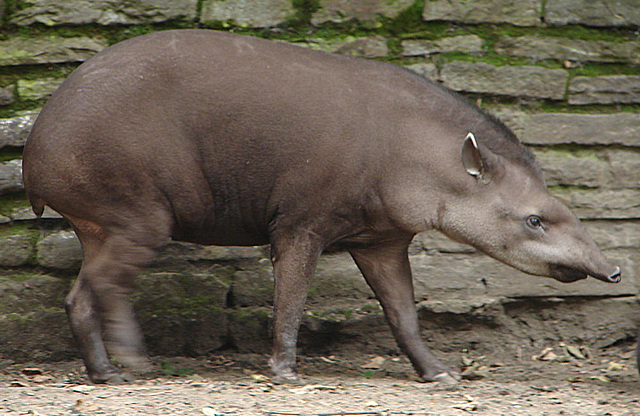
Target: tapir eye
{"x": 534, "y": 222}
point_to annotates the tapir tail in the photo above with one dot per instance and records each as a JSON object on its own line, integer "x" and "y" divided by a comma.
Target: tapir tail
{"x": 37, "y": 205}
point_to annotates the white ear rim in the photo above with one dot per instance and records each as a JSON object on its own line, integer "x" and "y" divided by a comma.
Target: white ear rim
{"x": 471, "y": 137}
{"x": 477, "y": 167}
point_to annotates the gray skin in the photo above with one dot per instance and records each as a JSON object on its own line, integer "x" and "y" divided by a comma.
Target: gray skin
{"x": 223, "y": 139}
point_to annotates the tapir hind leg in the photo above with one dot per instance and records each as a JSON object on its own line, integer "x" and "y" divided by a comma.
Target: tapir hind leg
{"x": 387, "y": 270}
{"x": 98, "y": 303}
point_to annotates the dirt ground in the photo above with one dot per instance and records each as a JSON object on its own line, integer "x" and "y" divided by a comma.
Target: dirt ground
{"x": 561, "y": 380}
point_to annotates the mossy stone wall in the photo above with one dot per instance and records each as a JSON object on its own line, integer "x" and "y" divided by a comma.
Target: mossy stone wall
{"x": 563, "y": 74}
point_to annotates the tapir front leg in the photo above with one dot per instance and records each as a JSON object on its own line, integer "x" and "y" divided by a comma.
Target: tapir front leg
{"x": 387, "y": 270}
{"x": 294, "y": 261}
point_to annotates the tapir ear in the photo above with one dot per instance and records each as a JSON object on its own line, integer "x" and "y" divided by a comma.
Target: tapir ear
{"x": 471, "y": 158}
{"x": 479, "y": 161}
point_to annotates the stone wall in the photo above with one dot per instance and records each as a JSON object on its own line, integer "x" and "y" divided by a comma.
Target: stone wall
{"x": 563, "y": 74}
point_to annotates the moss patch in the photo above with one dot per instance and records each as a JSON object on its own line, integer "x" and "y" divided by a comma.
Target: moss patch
{"x": 11, "y": 202}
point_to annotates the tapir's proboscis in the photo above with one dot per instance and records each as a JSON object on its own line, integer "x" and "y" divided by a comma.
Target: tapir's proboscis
{"x": 223, "y": 139}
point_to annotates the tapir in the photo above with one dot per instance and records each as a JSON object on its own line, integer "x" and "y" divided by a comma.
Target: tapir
{"x": 223, "y": 139}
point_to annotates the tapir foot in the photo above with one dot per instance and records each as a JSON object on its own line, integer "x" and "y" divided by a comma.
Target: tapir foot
{"x": 288, "y": 377}
{"x": 114, "y": 377}
{"x": 443, "y": 376}
{"x": 449, "y": 379}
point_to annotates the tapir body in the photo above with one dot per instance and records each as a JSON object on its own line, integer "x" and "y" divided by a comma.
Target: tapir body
{"x": 224, "y": 139}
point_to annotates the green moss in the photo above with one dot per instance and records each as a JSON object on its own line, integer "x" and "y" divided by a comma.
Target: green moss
{"x": 17, "y": 228}
{"x": 595, "y": 69}
{"x": 563, "y": 107}
{"x": 10, "y": 202}
{"x": 304, "y": 9}
{"x": 409, "y": 20}
{"x": 570, "y": 152}
{"x": 10, "y": 153}
{"x": 168, "y": 369}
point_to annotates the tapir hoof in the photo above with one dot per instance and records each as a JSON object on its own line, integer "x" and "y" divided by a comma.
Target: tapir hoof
{"x": 115, "y": 378}
{"x": 447, "y": 379}
{"x": 289, "y": 377}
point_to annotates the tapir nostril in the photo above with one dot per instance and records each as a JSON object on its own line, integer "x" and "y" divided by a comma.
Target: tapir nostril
{"x": 615, "y": 277}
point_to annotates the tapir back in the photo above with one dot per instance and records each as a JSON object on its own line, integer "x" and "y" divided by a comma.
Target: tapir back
{"x": 224, "y": 129}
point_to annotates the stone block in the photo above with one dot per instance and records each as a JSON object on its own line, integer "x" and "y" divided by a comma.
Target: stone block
{"x": 519, "y": 13}
{"x": 615, "y": 204}
{"x": 583, "y": 129}
{"x": 182, "y": 313}
{"x": 48, "y": 50}
{"x": 60, "y": 250}
{"x": 7, "y": 96}
{"x": 610, "y": 168}
{"x": 26, "y": 214}
{"x": 15, "y": 250}
{"x": 427, "y": 70}
{"x": 610, "y": 235}
{"x": 11, "y": 177}
{"x": 605, "y": 89}
{"x": 253, "y": 286}
{"x": 340, "y": 11}
{"x": 102, "y": 12}
{"x": 515, "y": 81}
{"x": 38, "y": 89}
{"x": 465, "y": 44}
{"x": 247, "y": 13}
{"x": 625, "y": 168}
{"x": 561, "y": 49}
{"x": 432, "y": 240}
{"x": 15, "y": 130}
{"x": 179, "y": 252}
{"x": 37, "y": 336}
{"x": 592, "y": 13}
{"x": 22, "y": 294}
{"x": 512, "y": 117}
{"x": 337, "y": 279}
{"x": 367, "y": 47}
{"x": 250, "y": 329}
{"x": 564, "y": 169}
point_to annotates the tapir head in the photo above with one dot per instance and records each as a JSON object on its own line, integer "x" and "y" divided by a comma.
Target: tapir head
{"x": 508, "y": 213}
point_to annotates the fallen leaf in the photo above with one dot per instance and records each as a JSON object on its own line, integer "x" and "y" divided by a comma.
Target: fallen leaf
{"x": 31, "y": 371}
{"x": 82, "y": 389}
{"x": 604, "y": 379}
{"x": 550, "y": 356}
{"x": 311, "y": 387}
{"x": 375, "y": 364}
{"x": 575, "y": 352}
{"x": 467, "y": 407}
{"x": 82, "y": 406}
{"x": 475, "y": 372}
{"x": 466, "y": 361}
{"x": 614, "y": 366}
{"x": 259, "y": 378}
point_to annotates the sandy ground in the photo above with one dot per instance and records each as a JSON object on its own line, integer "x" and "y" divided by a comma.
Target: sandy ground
{"x": 564, "y": 380}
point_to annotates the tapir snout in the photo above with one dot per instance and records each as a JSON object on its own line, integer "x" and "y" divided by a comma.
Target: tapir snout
{"x": 568, "y": 275}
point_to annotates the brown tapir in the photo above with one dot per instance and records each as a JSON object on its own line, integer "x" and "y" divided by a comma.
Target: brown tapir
{"x": 224, "y": 139}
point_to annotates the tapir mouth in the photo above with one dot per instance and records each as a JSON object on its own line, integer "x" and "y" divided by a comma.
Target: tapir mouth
{"x": 568, "y": 274}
